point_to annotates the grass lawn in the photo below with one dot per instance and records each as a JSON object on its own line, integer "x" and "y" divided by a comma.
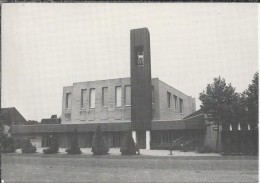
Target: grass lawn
{"x": 116, "y": 168}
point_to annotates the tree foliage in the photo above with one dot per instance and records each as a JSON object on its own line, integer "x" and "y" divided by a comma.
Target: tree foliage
{"x": 251, "y": 101}
{"x": 74, "y": 146}
{"x": 28, "y": 147}
{"x": 228, "y": 106}
{"x": 219, "y": 100}
{"x": 32, "y": 122}
{"x": 129, "y": 147}
{"x": 99, "y": 146}
{"x": 8, "y": 144}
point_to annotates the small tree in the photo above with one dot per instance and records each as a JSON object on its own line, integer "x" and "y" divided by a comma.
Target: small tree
{"x": 129, "y": 147}
{"x": 54, "y": 146}
{"x": 99, "y": 146}
{"x": 74, "y": 146}
{"x": 219, "y": 100}
{"x": 28, "y": 147}
{"x": 8, "y": 145}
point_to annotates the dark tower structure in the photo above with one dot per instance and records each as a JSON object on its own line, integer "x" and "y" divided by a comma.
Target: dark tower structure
{"x": 141, "y": 91}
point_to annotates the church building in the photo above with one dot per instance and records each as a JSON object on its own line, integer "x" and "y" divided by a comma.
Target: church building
{"x": 153, "y": 111}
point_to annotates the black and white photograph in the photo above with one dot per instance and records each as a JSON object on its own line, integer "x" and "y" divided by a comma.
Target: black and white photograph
{"x": 129, "y": 92}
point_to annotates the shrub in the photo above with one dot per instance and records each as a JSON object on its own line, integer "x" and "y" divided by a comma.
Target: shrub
{"x": 28, "y": 147}
{"x": 74, "y": 146}
{"x": 19, "y": 143}
{"x": 129, "y": 147}
{"x": 54, "y": 146}
{"x": 99, "y": 146}
{"x": 8, "y": 145}
{"x": 187, "y": 145}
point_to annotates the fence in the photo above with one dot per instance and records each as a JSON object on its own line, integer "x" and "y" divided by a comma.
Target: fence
{"x": 240, "y": 142}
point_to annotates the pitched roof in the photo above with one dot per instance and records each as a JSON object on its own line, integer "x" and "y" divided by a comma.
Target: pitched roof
{"x": 196, "y": 113}
{"x": 11, "y": 116}
{"x": 195, "y": 122}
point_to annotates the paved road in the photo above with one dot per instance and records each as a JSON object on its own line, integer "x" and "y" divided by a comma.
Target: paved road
{"x": 88, "y": 168}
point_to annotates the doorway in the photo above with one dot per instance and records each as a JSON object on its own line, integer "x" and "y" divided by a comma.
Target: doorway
{"x": 141, "y": 139}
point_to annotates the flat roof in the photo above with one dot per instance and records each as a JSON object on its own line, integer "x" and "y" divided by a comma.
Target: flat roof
{"x": 196, "y": 122}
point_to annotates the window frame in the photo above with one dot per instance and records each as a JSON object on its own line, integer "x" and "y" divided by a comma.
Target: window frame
{"x": 175, "y": 102}
{"x": 67, "y": 101}
{"x": 181, "y": 105}
{"x": 92, "y": 89}
{"x": 125, "y": 95}
{"x": 103, "y": 98}
{"x": 116, "y": 97}
{"x": 82, "y": 98}
{"x": 169, "y": 101}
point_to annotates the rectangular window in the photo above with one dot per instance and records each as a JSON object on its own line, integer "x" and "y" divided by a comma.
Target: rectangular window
{"x": 181, "y": 106}
{"x": 104, "y": 96}
{"x": 169, "y": 95}
{"x": 83, "y": 98}
{"x": 127, "y": 95}
{"x": 118, "y": 96}
{"x": 68, "y": 100}
{"x": 175, "y": 102}
{"x": 92, "y": 97}
{"x": 152, "y": 94}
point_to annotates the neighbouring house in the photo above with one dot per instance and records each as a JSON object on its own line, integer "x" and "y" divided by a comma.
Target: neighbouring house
{"x": 52, "y": 120}
{"x": 11, "y": 116}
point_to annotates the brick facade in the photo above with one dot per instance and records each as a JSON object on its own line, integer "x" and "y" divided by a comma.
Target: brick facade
{"x": 173, "y": 112}
{"x": 77, "y": 115}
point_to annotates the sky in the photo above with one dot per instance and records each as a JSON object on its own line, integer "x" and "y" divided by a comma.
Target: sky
{"x": 51, "y": 45}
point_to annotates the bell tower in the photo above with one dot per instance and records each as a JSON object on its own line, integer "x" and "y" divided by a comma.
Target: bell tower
{"x": 141, "y": 89}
